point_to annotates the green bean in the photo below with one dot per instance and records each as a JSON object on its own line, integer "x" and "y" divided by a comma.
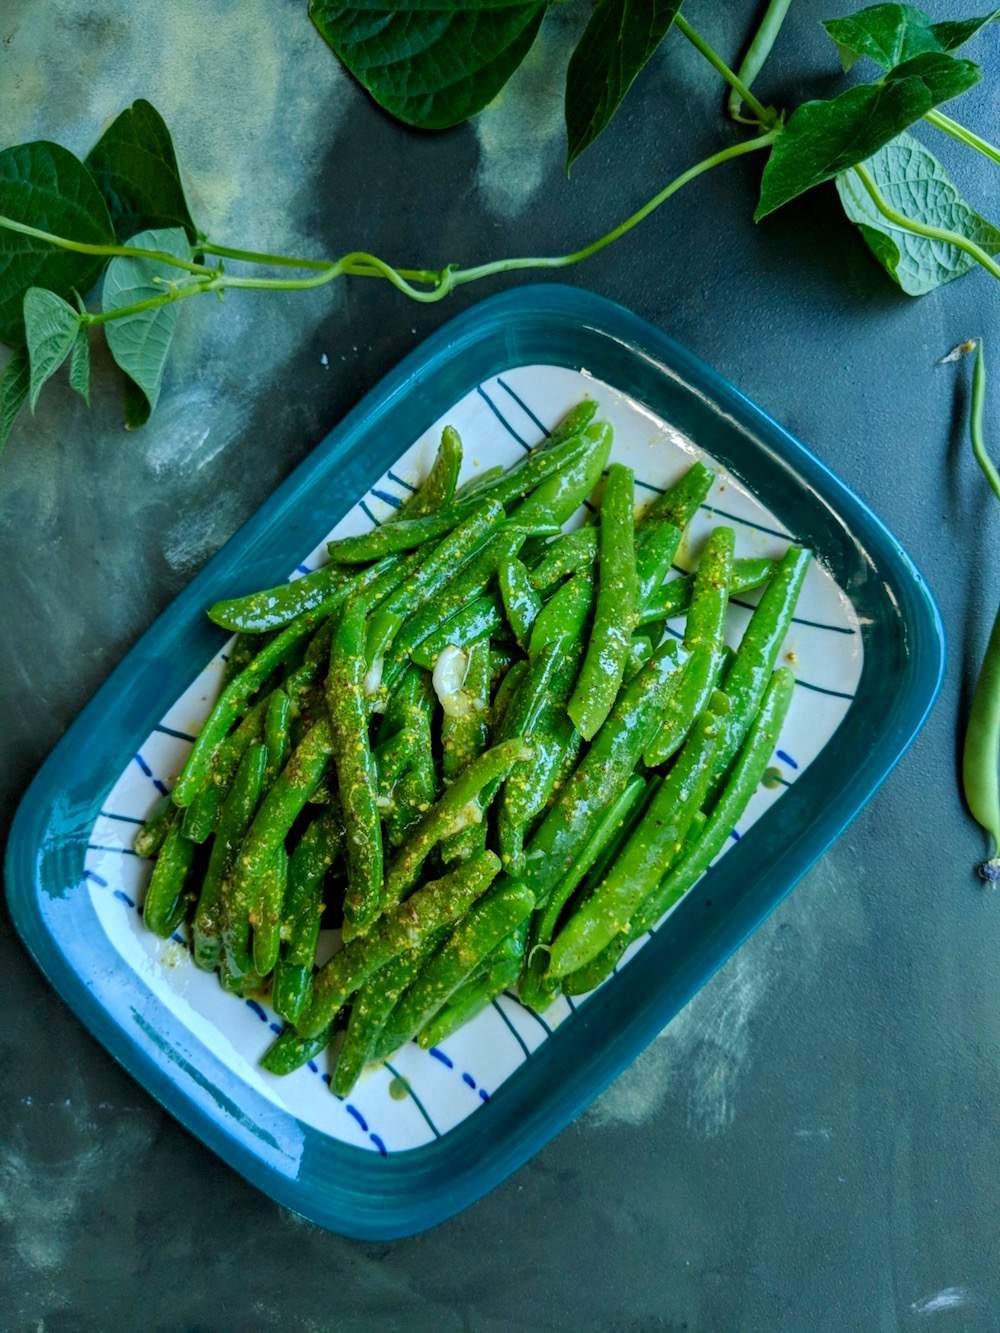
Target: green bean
{"x": 536, "y": 989}
{"x": 615, "y": 610}
{"x": 746, "y": 679}
{"x": 371, "y": 1008}
{"x": 475, "y": 936}
{"x": 457, "y": 808}
{"x": 464, "y": 739}
{"x": 438, "y": 487}
{"x": 243, "y": 649}
{"x": 405, "y": 926}
{"x": 559, "y": 497}
{"x": 235, "y": 699}
{"x": 564, "y": 615}
{"x": 149, "y": 838}
{"x": 357, "y": 778}
{"x": 273, "y": 607}
{"x": 540, "y": 464}
{"x": 653, "y": 560}
{"x": 601, "y": 776}
{"x": 704, "y": 639}
{"x": 277, "y": 735}
{"x": 307, "y": 866}
{"x": 448, "y": 556}
{"x": 505, "y": 692}
{"x": 480, "y": 482}
{"x": 163, "y": 909}
{"x": 266, "y": 918}
{"x": 640, "y": 650}
{"x": 674, "y": 598}
{"x": 383, "y": 626}
{"x": 652, "y": 848}
{"x": 202, "y": 815}
{"x": 574, "y": 552}
{"x": 700, "y": 851}
{"x": 500, "y": 972}
{"x": 411, "y": 708}
{"x": 571, "y": 424}
{"x": 291, "y": 1052}
{"x": 482, "y": 618}
{"x": 679, "y": 504}
{"x": 237, "y": 812}
{"x": 521, "y": 602}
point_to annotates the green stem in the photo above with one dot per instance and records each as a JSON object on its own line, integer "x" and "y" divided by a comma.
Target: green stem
{"x": 963, "y": 135}
{"x": 358, "y": 270}
{"x": 976, "y": 421}
{"x": 757, "y": 53}
{"x": 85, "y": 248}
{"x": 764, "y": 116}
{"x": 904, "y": 223}
{"x": 153, "y": 302}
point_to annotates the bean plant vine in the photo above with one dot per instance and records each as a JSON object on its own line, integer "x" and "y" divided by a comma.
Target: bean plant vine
{"x": 109, "y": 242}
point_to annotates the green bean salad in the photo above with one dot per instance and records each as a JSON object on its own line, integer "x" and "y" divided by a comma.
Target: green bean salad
{"x": 469, "y": 743}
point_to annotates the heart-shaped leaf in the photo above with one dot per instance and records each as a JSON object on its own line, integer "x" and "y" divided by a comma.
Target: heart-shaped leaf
{"x": 822, "y": 139}
{"x": 430, "y": 63}
{"x": 914, "y": 182}
{"x": 889, "y": 34}
{"x": 616, "y": 43}
{"x": 46, "y": 187}
{"x": 140, "y": 342}
{"x": 135, "y": 167}
{"x": 79, "y": 364}
{"x": 50, "y": 328}
{"x": 14, "y": 381}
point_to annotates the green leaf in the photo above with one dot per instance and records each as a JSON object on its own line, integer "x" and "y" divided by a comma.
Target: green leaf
{"x": 50, "y": 327}
{"x": 430, "y": 63}
{"x": 915, "y": 183}
{"x": 889, "y": 34}
{"x": 822, "y": 139}
{"x": 79, "y": 364}
{"x": 14, "y": 381}
{"x": 140, "y": 342}
{"x": 616, "y": 43}
{"x": 44, "y": 186}
{"x": 135, "y": 167}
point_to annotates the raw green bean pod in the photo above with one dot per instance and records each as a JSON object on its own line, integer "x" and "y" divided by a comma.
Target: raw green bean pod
{"x": 615, "y": 611}
{"x": 237, "y": 813}
{"x": 521, "y": 602}
{"x": 357, "y": 776}
{"x": 150, "y": 836}
{"x": 404, "y": 927}
{"x": 477, "y": 934}
{"x": 164, "y": 905}
{"x": 652, "y": 848}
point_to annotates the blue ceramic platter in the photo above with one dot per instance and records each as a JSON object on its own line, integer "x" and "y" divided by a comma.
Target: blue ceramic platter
{"x": 426, "y": 1134}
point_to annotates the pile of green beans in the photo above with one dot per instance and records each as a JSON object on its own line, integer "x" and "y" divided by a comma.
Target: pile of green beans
{"x": 470, "y": 744}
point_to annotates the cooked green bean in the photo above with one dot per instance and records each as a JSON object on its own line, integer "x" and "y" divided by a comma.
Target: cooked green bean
{"x": 615, "y": 610}
{"x": 235, "y": 699}
{"x": 273, "y": 607}
{"x": 476, "y": 935}
{"x": 501, "y": 969}
{"x": 404, "y": 927}
{"x": 572, "y": 553}
{"x": 457, "y": 808}
{"x": 479, "y": 619}
{"x": 237, "y": 812}
{"x": 674, "y": 598}
{"x": 521, "y": 602}
{"x": 571, "y": 424}
{"x": 602, "y": 774}
{"x": 482, "y": 481}
{"x": 464, "y": 739}
{"x": 654, "y": 558}
{"x": 640, "y": 650}
{"x": 243, "y": 649}
{"x": 680, "y": 502}
{"x": 446, "y": 557}
{"x": 202, "y": 815}
{"x": 383, "y": 626}
{"x": 704, "y": 639}
{"x": 149, "y": 838}
{"x": 652, "y": 848}
{"x": 539, "y": 465}
{"x": 291, "y": 1052}
{"x": 357, "y": 776}
{"x": 508, "y": 687}
{"x": 565, "y": 614}
{"x": 438, "y": 487}
{"x": 536, "y": 989}
{"x": 163, "y": 908}
{"x": 307, "y": 866}
{"x": 266, "y": 917}
{"x": 747, "y": 677}
{"x": 277, "y": 734}
{"x": 700, "y": 851}
{"x": 559, "y": 496}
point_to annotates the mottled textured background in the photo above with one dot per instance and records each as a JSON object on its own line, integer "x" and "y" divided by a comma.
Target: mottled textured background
{"x": 812, "y": 1145}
